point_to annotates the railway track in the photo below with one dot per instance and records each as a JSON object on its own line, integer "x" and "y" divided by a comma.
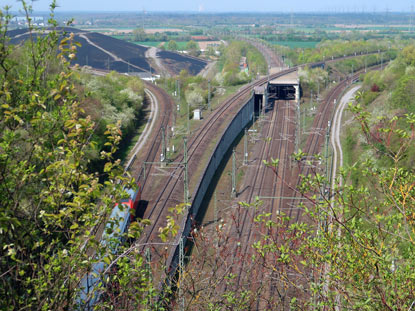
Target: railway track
{"x": 275, "y": 193}
{"x": 316, "y": 139}
{"x": 171, "y": 192}
{"x": 271, "y": 58}
{"x": 279, "y": 197}
{"x": 265, "y": 184}
{"x": 163, "y": 120}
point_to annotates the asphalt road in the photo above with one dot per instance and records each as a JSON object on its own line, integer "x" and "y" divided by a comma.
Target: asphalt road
{"x": 336, "y": 129}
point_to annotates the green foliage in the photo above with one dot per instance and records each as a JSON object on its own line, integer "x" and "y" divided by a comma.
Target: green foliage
{"x": 408, "y": 54}
{"x": 337, "y": 48}
{"x": 139, "y": 34}
{"x": 403, "y": 96}
{"x": 52, "y": 207}
{"x": 397, "y": 80}
{"x": 313, "y": 80}
{"x": 120, "y": 98}
{"x": 349, "y": 66}
{"x": 193, "y": 48}
{"x": 192, "y": 45}
{"x": 172, "y": 45}
{"x": 231, "y": 58}
{"x": 107, "y": 100}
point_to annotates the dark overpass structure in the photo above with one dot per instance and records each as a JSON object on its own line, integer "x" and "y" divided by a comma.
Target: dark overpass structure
{"x": 286, "y": 87}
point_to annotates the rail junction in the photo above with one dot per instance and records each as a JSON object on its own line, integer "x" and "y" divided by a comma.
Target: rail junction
{"x": 276, "y": 101}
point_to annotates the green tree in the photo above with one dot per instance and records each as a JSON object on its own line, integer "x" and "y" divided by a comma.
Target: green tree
{"x": 210, "y": 51}
{"x": 192, "y": 45}
{"x": 139, "y": 35}
{"x": 193, "y": 48}
{"x": 51, "y": 205}
{"x": 408, "y": 54}
{"x": 403, "y": 95}
{"x": 172, "y": 45}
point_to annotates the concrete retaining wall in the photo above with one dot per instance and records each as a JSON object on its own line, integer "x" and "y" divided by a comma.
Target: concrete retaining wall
{"x": 238, "y": 124}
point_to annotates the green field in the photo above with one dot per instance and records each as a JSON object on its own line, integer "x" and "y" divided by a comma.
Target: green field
{"x": 181, "y": 44}
{"x": 296, "y": 44}
{"x": 149, "y": 43}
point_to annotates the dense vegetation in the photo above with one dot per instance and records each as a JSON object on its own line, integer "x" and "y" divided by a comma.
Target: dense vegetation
{"x": 51, "y": 205}
{"x": 338, "y": 48}
{"x": 110, "y": 99}
{"x": 392, "y": 89}
{"x": 355, "y": 247}
{"x": 229, "y": 63}
{"x": 356, "y": 250}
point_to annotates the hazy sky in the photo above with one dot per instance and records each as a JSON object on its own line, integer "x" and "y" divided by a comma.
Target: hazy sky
{"x": 223, "y": 5}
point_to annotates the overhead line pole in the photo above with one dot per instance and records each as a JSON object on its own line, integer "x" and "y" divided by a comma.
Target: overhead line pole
{"x": 163, "y": 145}
{"x": 246, "y": 147}
{"x": 185, "y": 178}
{"x": 209, "y": 97}
{"x": 233, "y": 173}
{"x": 181, "y": 268}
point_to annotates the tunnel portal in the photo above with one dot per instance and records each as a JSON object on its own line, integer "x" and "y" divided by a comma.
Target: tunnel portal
{"x": 286, "y": 87}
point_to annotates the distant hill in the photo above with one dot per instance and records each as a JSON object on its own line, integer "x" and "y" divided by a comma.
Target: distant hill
{"x": 177, "y": 62}
{"x": 107, "y": 53}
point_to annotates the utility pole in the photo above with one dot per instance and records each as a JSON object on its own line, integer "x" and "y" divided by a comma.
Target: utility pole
{"x": 304, "y": 115}
{"x": 233, "y": 173}
{"x": 326, "y": 155}
{"x": 209, "y": 95}
{"x": 163, "y": 145}
{"x": 188, "y": 119}
{"x": 246, "y": 147}
{"x": 215, "y": 206}
{"x": 351, "y": 80}
{"x": 265, "y": 99}
{"x": 318, "y": 89}
{"x": 185, "y": 178}
{"x": 215, "y": 219}
{"x": 181, "y": 265}
{"x": 298, "y": 136}
{"x": 149, "y": 276}
{"x": 381, "y": 61}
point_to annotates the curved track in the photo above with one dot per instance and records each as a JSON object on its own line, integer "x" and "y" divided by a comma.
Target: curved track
{"x": 148, "y": 152}
{"x": 171, "y": 192}
{"x": 278, "y": 187}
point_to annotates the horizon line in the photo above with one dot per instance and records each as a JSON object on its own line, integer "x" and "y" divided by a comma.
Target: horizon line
{"x": 332, "y": 12}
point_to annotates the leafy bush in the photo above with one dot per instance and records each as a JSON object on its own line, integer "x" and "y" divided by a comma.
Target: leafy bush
{"x": 231, "y": 57}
